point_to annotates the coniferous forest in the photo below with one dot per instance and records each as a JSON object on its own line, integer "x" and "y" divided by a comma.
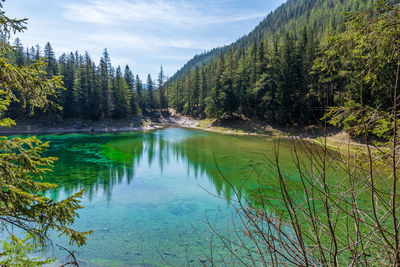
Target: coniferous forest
{"x": 271, "y": 74}
{"x": 90, "y": 91}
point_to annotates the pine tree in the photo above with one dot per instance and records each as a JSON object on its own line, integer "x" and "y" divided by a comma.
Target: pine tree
{"x": 38, "y": 52}
{"x": 227, "y": 82}
{"x": 105, "y": 71}
{"x": 203, "y": 90}
{"x": 196, "y": 90}
{"x": 121, "y": 96}
{"x": 50, "y": 60}
{"x": 151, "y": 102}
{"x": 130, "y": 81}
{"x": 176, "y": 95}
{"x": 290, "y": 80}
{"x": 80, "y": 88}
{"x": 19, "y": 53}
{"x": 67, "y": 97}
{"x": 93, "y": 107}
{"x": 188, "y": 109}
{"x": 28, "y": 57}
{"x": 216, "y": 99}
{"x": 25, "y": 207}
{"x": 140, "y": 95}
{"x": 161, "y": 93}
{"x": 33, "y": 53}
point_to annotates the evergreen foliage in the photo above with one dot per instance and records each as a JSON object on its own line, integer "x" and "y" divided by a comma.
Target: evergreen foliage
{"x": 270, "y": 74}
{"x": 90, "y": 91}
{"x": 23, "y": 204}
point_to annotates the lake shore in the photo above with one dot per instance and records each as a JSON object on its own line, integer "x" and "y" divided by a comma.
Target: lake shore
{"x": 244, "y": 127}
{"x": 65, "y": 126}
{"x": 77, "y": 126}
{"x": 335, "y": 138}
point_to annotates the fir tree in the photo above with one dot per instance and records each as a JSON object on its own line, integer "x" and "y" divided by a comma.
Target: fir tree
{"x": 151, "y": 102}
{"x": 161, "y": 90}
{"x": 50, "y": 60}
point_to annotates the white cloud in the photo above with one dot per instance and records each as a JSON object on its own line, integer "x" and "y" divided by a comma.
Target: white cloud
{"x": 142, "y": 33}
{"x": 146, "y": 42}
{"x": 121, "y": 39}
{"x": 176, "y": 13}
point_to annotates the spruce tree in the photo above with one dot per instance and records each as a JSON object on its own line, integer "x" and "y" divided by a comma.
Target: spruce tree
{"x": 19, "y": 52}
{"x": 216, "y": 99}
{"x": 121, "y": 96}
{"x": 130, "y": 81}
{"x": 25, "y": 206}
{"x": 151, "y": 102}
{"x": 105, "y": 71}
{"x": 68, "y": 96}
{"x": 196, "y": 90}
{"x": 38, "y": 52}
{"x": 140, "y": 95}
{"x": 161, "y": 89}
{"x": 50, "y": 60}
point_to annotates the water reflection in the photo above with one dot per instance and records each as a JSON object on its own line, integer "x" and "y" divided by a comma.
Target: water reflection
{"x": 148, "y": 193}
{"x": 100, "y": 162}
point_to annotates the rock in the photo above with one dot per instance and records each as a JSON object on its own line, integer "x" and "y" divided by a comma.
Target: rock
{"x": 167, "y": 254}
{"x": 203, "y": 260}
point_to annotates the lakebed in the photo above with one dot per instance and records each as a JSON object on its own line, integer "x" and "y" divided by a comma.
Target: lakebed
{"x": 153, "y": 198}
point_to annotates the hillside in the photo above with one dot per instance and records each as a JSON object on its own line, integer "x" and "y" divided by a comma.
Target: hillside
{"x": 319, "y": 15}
{"x": 274, "y": 73}
{"x": 267, "y": 75}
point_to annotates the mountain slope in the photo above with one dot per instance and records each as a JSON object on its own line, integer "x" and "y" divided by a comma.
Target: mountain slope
{"x": 269, "y": 74}
{"x": 319, "y": 15}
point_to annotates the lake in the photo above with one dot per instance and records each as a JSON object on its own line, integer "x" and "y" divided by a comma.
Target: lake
{"x": 152, "y": 197}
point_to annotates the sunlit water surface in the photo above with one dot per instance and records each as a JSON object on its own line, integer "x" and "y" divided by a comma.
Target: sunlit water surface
{"x": 151, "y": 196}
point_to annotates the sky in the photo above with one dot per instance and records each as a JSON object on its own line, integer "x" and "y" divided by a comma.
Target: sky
{"x": 144, "y": 34}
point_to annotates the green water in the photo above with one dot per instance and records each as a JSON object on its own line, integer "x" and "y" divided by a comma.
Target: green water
{"x": 150, "y": 196}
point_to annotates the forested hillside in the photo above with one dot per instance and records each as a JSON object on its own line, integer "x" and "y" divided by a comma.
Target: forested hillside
{"x": 90, "y": 91}
{"x": 275, "y": 73}
{"x": 272, "y": 73}
{"x": 323, "y": 16}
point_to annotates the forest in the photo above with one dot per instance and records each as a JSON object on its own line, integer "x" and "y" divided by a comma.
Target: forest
{"x": 89, "y": 91}
{"x": 272, "y": 74}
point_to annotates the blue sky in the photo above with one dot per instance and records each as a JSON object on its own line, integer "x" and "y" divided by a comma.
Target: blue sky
{"x": 142, "y": 33}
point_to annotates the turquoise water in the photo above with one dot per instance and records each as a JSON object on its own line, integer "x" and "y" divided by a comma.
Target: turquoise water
{"x": 151, "y": 196}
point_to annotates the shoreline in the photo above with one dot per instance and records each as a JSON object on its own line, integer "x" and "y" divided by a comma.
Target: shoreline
{"x": 83, "y": 130}
{"x": 246, "y": 128}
